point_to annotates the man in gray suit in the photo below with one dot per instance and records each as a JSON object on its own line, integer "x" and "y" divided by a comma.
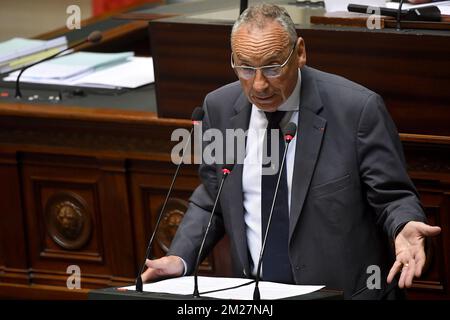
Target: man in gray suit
{"x": 348, "y": 199}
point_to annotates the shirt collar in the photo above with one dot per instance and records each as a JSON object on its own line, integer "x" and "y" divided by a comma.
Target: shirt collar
{"x": 292, "y": 103}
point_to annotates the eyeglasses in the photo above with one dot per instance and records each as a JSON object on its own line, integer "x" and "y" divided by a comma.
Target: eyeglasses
{"x": 272, "y": 71}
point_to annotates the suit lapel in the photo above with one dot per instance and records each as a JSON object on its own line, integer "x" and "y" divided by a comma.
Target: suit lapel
{"x": 234, "y": 190}
{"x": 310, "y": 132}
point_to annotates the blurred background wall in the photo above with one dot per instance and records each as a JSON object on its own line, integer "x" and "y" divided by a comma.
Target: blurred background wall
{"x": 29, "y": 18}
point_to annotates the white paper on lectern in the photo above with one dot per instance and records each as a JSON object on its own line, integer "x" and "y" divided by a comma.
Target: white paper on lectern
{"x": 268, "y": 290}
{"x": 185, "y": 285}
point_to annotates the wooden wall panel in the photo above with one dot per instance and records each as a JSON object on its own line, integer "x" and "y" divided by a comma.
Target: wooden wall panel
{"x": 76, "y": 213}
{"x": 123, "y": 192}
{"x": 149, "y": 182}
{"x": 13, "y": 246}
{"x": 115, "y": 214}
{"x": 410, "y": 70}
{"x": 434, "y": 280}
{"x": 184, "y": 77}
{"x": 428, "y": 166}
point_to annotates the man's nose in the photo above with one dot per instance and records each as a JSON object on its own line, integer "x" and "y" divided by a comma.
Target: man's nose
{"x": 260, "y": 82}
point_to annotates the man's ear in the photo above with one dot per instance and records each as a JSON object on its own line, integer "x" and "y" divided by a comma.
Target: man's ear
{"x": 301, "y": 52}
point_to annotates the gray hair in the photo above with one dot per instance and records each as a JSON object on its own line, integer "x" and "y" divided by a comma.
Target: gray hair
{"x": 258, "y": 15}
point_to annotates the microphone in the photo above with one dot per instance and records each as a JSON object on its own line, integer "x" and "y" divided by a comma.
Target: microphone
{"x": 197, "y": 116}
{"x": 226, "y": 170}
{"x": 428, "y": 13}
{"x": 94, "y": 37}
{"x": 243, "y": 6}
{"x": 289, "y": 132}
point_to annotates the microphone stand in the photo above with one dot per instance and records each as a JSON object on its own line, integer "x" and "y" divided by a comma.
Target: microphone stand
{"x": 256, "y": 294}
{"x": 18, "y": 94}
{"x": 225, "y": 172}
{"x": 399, "y": 13}
{"x": 94, "y": 37}
{"x": 139, "y": 283}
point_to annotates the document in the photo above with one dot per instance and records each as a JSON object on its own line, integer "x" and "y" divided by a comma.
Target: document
{"x": 70, "y": 66}
{"x": 113, "y": 71}
{"x": 19, "y": 52}
{"x": 444, "y": 6}
{"x": 341, "y": 5}
{"x": 135, "y": 72}
{"x": 268, "y": 290}
{"x": 19, "y": 47}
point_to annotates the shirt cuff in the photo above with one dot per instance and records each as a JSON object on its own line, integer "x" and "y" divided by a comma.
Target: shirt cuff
{"x": 185, "y": 266}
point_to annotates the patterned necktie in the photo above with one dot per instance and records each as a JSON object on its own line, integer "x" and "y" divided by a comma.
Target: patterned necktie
{"x": 276, "y": 266}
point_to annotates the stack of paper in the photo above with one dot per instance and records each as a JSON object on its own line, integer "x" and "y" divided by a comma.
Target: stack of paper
{"x": 135, "y": 72}
{"x": 238, "y": 290}
{"x": 18, "y": 52}
{"x": 341, "y": 5}
{"x": 90, "y": 69}
{"x": 70, "y": 66}
{"x": 444, "y": 6}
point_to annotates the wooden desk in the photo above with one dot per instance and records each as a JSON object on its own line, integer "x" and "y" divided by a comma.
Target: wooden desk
{"x": 82, "y": 181}
{"x": 83, "y": 186}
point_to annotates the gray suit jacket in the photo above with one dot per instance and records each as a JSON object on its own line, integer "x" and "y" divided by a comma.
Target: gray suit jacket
{"x": 350, "y": 190}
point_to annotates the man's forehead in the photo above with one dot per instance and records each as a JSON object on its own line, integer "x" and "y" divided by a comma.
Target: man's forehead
{"x": 271, "y": 31}
{"x": 251, "y": 42}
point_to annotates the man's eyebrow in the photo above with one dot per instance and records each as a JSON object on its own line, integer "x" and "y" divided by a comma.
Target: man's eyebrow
{"x": 243, "y": 60}
{"x": 275, "y": 58}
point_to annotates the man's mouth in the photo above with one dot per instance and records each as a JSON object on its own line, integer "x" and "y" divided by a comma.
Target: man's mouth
{"x": 263, "y": 98}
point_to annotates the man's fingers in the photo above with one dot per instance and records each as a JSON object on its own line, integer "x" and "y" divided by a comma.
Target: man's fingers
{"x": 395, "y": 268}
{"x": 401, "y": 281}
{"x": 429, "y": 231}
{"x": 155, "y": 264}
{"x": 156, "y": 269}
{"x": 410, "y": 252}
{"x": 149, "y": 275}
{"x": 409, "y": 270}
{"x": 420, "y": 262}
{"x": 169, "y": 266}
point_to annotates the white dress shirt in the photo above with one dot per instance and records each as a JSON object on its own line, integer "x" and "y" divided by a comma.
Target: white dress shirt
{"x": 252, "y": 171}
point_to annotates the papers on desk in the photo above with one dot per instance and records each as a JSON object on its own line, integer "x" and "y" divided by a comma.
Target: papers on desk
{"x": 18, "y": 52}
{"x": 135, "y": 72}
{"x": 70, "y": 66}
{"x": 341, "y": 5}
{"x": 444, "y": 6}
{"x": 89, "y": 69}
{"x": 268, "y": 290}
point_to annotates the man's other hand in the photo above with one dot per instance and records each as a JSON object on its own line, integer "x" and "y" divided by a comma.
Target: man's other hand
{"x": 165, "y": 267}
{"x": 410, "y": 252}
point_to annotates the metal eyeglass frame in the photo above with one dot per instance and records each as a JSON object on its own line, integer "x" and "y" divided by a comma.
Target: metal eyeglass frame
{"x": 262, "y": 68}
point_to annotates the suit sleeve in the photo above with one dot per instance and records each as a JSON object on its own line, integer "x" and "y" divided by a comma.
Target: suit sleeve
{"x": 187, "y": 240}
{"x": 388, "y": 187}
